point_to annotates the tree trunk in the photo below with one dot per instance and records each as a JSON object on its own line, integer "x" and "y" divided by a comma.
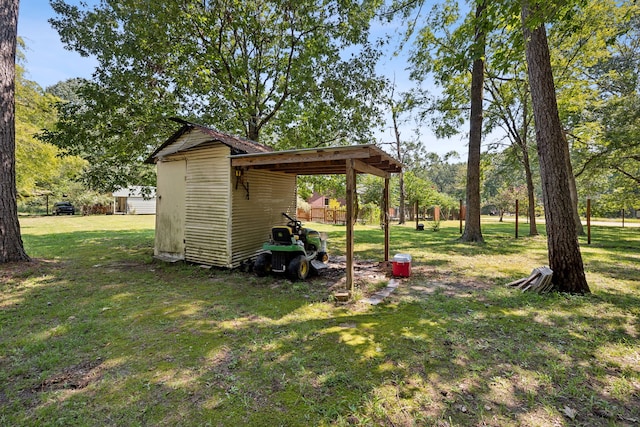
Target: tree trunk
{"x": 564, "y": 250}
{"x": 253, "y": 129}
{"x": 11, "y": 247}
{"x": 472, "y": 229}
{"x": 573, "y": 189}
{"x": 394, "y": 116}
{"x": 533, "y": 229}
{"x": 524, "y": 146}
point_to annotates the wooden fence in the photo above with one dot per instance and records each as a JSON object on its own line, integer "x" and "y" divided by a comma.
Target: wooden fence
{"x": 339, "y": 216}
{"x": 323, "y": 215}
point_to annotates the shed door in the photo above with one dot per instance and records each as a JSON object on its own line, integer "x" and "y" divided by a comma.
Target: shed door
{"x": 170, "y": 209}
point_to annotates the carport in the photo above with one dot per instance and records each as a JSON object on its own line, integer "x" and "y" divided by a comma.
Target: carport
{"x": 349, "y": 161}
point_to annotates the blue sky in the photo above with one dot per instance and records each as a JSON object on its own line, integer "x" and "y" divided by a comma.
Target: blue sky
{"x": 48, "y": 62}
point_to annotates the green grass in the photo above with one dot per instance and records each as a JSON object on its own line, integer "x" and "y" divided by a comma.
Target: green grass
{"x": 93, "y": 332}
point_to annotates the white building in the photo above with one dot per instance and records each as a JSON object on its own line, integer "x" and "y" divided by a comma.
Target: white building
{"x": 135, "y": 200}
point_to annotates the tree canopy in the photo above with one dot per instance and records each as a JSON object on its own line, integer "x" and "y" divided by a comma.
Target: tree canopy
{"x": 40, "y": 169}
{"x": 605, "y": 131}
{"x": 289, "y": 74}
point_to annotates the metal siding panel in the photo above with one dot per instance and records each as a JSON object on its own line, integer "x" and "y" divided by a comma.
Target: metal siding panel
{"x": 270, "y": 194}
{"x": 207, "y": 206}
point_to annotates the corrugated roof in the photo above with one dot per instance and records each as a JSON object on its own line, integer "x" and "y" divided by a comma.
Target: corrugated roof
{"x": 237, "y": 144}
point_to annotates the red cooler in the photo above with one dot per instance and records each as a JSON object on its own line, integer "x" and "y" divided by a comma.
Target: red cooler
{"x": 402, "y": 265}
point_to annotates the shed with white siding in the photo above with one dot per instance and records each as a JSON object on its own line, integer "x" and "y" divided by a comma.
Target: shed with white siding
{"x": 208, "y": 212}
{"x": 135, "y": 200}
{"x": 218, "y": 195}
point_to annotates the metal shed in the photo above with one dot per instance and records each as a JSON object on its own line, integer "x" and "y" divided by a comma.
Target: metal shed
{"x": 218, "y": 196}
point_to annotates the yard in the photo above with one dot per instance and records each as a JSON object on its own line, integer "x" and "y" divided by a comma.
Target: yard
{"x": 93, "y": 332}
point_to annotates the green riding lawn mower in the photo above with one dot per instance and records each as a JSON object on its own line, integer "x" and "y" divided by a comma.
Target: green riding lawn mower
{"x": 292, "y": 250}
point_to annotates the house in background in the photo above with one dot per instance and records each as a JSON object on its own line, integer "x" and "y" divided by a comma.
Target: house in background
{"x": 136, "y": 200}
{"x": 318, "y": 201}
{"x": 323, "y": 201}
{"x": 324, "y": 209}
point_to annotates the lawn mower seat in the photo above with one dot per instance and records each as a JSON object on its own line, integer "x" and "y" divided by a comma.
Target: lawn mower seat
{"x": 282, "y": 235}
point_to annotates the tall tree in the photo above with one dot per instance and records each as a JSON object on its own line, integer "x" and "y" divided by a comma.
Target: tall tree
{"x": 11, "y": 246}
{"x": 398, "y": 146}
{"x": 419, "y": 190}
{"x": 451, "y": 48}
{"x": 407, "y": 151}
{"x": 579, "y": 37}
{"x": 448, "y": 177}
{"x": 472, "y": 230}
{"x": 67, "y": 90}
{"x": 511, "y": 111}
{"x": 565, "y": 258}
{"x": 269, "y": 70}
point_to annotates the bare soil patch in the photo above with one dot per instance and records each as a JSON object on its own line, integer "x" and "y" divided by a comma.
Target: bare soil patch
{"x": 14, "y": 270}
{"x": 424, "y": 280}
{"x": 74, "y": 377}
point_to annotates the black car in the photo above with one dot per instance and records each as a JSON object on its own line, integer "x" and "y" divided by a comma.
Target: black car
{"x": 63, "y": 208}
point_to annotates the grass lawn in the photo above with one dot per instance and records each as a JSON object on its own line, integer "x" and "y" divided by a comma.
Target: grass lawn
{"x": 93, "y": 332}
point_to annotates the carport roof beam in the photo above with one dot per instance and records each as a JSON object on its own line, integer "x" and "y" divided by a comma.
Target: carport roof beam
{"x": 322, "y": 161}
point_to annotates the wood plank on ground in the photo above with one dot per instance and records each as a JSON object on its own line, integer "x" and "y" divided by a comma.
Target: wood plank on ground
{"x": 538, "y": 281}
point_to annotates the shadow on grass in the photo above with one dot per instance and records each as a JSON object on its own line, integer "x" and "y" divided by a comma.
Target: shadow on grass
{"x": 155, "y": 344}
{"x": 201, "y": 352}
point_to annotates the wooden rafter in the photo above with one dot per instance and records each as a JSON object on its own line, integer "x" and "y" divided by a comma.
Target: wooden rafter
{"x": 321, "y": 161}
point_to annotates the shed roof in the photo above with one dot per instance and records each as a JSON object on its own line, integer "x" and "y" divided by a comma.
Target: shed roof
{"x": 135, "y": 191}
{"x": 247, "y": 154}
{"x": 237, "y": 144}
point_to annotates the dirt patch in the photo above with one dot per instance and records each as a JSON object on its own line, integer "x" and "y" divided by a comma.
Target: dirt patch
{"x": 424, "y": 280}
{"x": 365, "y": 271}
{"x": 338, "y": 266}
{"x": 75, "y": 377}
{"x": 15, "y": 270}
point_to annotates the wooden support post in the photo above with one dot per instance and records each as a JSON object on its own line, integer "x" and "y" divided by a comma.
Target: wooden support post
{"x": 517, "y": 214}
{"x": 622, "y": 217}
{"x": 385, "y": 206}
{"x": 588, "y": 221}
{"x": 351, "y": 190}
{"x": 415, "y": 212}
{"x": 460, "y": 216}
